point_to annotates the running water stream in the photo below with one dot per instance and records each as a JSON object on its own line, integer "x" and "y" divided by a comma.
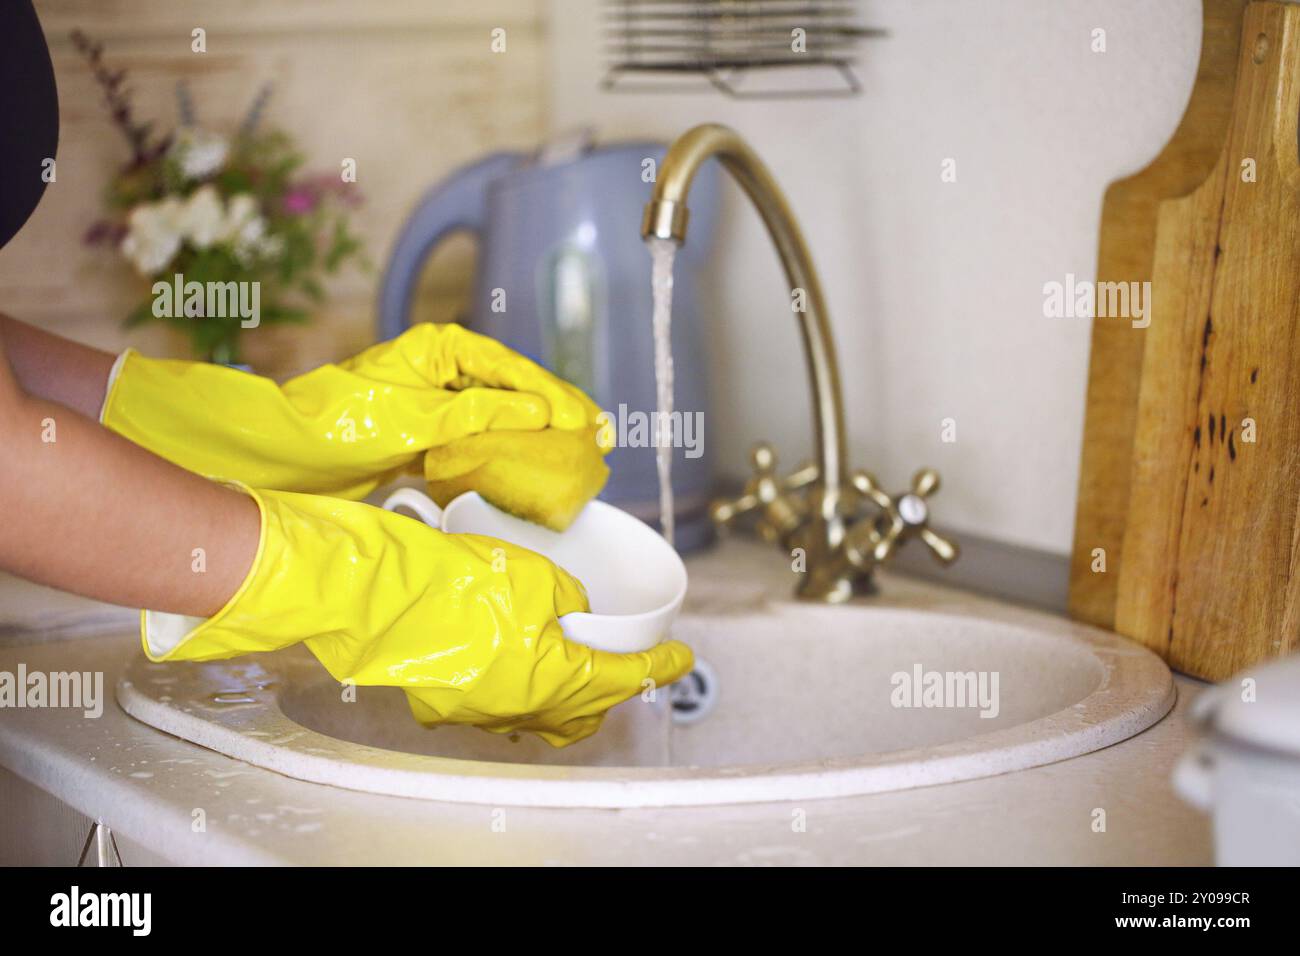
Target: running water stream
{"x": 662, "y": 252}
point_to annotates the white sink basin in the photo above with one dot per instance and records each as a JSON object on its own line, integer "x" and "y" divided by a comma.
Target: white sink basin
{"x": 805, "y": 708}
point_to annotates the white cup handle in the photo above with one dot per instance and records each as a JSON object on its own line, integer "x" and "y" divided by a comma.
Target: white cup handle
{"x": 416, "y": 501}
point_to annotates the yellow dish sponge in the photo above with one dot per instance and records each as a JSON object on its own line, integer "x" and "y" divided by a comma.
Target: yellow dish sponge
{"x": 545, "y": 477}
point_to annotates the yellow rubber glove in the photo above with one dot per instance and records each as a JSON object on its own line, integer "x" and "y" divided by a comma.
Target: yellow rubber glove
{"x": 467, "y": 625}
{"x": 340, "y": 429}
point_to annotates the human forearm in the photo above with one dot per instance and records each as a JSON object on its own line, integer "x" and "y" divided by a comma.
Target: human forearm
{"x": 88, "y": 512}
{"x": 56, "y": 369}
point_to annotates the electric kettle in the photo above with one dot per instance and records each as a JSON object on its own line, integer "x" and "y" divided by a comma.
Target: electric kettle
{"x": 564, "y": 278}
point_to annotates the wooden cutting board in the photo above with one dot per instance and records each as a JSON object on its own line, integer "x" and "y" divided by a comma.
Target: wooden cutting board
{"x": 1187, "y": 535}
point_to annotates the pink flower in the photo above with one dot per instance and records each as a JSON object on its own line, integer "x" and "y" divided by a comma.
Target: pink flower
{"x": 299, "y": 202}
{"x": 307, "y": 194}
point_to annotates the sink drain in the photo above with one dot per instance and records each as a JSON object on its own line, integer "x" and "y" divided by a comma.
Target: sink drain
{"x": 693, "y": 697}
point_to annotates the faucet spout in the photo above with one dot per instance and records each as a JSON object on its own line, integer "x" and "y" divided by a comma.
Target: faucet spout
{"x": 666, "y": 217}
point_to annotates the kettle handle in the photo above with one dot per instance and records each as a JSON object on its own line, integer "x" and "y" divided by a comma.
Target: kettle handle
{"x": 458, "y": 202}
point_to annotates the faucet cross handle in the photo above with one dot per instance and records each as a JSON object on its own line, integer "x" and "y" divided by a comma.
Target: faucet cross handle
{"x": 903, "y": 516}
{"x": 768, "y": 496}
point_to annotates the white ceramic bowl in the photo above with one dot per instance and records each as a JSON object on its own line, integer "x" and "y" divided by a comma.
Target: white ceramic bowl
{"x": 635, "y": 580}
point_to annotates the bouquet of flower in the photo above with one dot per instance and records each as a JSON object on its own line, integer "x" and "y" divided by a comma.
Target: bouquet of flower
{"x": 205, "y": 213}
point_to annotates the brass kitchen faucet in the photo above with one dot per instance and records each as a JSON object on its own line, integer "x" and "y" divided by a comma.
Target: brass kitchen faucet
{"x": 819, "y": 508}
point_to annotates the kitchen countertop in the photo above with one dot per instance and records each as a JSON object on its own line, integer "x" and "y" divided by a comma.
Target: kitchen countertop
{"x": 148, "y": 787}
{"x": 32, "y": 614}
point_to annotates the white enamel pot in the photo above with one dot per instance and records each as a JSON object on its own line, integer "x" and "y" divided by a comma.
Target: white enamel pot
{"x": 1244, "y": 767}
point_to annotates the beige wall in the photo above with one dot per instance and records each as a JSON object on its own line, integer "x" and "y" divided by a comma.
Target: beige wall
{"x": 935, "y": 288}
{"x": 409, "y": 88}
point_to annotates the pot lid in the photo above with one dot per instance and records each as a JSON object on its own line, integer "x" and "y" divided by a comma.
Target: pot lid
{"x": 1259, "y": 707}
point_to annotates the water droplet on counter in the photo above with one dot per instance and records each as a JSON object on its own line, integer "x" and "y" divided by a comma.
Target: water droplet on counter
{"x": 226, "y": 697}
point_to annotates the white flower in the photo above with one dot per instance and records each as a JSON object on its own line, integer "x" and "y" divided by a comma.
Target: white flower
{"x": 251, "y": 232}
{"x": 153, "y": 235}
{"x": 203, "y": 218}
{"x": 253, "y": 243}
{"x": 156, "y": 230}
{"x": 271, "y": 247}
{"x": 257, "y": 246}
{"x": 245, "y": 230}
{"x": 241, "y": 211}
{"x": 199, "y": 153}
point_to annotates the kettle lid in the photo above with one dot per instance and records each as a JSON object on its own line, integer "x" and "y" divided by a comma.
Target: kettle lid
{"x": 566, "y": 146}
